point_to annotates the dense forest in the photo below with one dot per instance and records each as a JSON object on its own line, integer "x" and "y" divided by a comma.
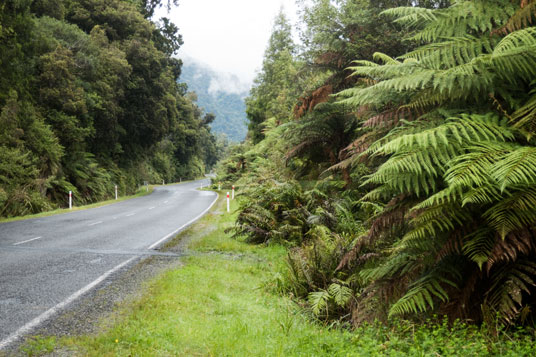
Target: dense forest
{"x": 220, "y": 94}
{"x": 89, "y": 99}
{"x": 393, "y": 151}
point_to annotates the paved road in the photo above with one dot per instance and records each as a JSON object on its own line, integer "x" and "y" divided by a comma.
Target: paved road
{"x": 46, "y": 263}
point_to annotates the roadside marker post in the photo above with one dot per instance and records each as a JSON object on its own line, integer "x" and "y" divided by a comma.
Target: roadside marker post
{"x": 116, "y": 192}
{"x": 70, "y": 199}
{"x": 233, "y": 193}
{"x": 163, "y": 182}
{"x": 228, "y": 205}
{"x": 219, "y": 186}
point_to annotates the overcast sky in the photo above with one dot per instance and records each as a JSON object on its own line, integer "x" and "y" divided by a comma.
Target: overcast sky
{"x": 228, "y": 35}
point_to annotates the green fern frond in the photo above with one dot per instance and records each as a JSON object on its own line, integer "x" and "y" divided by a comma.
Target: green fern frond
{"x": 481, "y": 195}
{"x": 341, "y": 294}
{"x": 385, "y": 59}
{"x": 396, "y": 264}
{"x": 318, "y": 300}
{"x": 463, "y": 17}
{"x": 411, "y": 16}
{"x": 452, "y": 51}
{"x": 431, "y": 223}
{"x": 473, "y": 169}
{"x": 420, "y": 297}
{"x": 445, "y": 196}
{"x": 479, "y": 244}
{"x": 515, "y": 55}
{"x": 516, "y": 168}
{"x": 514, "y": 212}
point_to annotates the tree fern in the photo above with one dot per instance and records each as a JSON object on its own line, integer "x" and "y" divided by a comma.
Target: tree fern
{"x": 470, "y": 173}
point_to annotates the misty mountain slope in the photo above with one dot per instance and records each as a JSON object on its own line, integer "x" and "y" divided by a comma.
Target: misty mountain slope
{"x": 221, "y": 94}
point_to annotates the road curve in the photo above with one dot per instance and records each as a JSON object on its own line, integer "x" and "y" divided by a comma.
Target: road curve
{"x": 47, "y": 263}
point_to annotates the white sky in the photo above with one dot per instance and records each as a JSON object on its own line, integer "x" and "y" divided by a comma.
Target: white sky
{"x": 228, "y": 35}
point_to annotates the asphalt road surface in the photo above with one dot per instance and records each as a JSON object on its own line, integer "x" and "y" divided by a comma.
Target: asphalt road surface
{"x": 47, "y": 263}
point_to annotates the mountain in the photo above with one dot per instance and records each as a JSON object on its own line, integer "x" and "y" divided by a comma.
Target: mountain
{"x": 221, "y": 94}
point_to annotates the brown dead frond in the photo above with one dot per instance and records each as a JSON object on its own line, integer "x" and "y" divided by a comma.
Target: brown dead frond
{"x": 522, "y": 18}
{"x": 393, "y": 215}
{"x": 388, "y": 119}
{"x": 515, "y": 244}
{"x": 306, "y": 104}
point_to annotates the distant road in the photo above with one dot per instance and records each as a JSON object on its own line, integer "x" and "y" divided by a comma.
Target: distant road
{"x": 47, "y": 263}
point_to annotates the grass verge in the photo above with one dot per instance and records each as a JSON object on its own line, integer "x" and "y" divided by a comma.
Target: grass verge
{"x": 216, "y": 305}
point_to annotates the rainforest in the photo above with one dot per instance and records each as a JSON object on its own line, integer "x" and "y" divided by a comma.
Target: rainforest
{"x": 89, "y": 99}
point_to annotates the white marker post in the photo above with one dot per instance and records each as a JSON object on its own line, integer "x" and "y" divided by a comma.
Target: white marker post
{"x": 233, "y": 193}
{"x": 163, "y": 182}
{"x": 116, "y": 192}
{"x": 70, "y": 199}
{"x": 228, "y": 205}
{"x": 219, "y": 186}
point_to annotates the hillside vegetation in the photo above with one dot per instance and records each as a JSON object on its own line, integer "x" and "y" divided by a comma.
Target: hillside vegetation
{"x": 394, "y": 153}
{"x": 219, "y": 94}
{"x": 89, "y": 99}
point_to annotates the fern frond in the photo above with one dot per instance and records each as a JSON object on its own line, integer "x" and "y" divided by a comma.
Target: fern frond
{"x": 479, "y": 244}
{"x": 509, "y": 284}
{"x": 397, "y": 264}
{"x": 410, "y": 15}
{"x": 522, "y": 18}
{"x": 318, "y": 300}
{"x": 420, "y": 297}
{"x": 525, "y": 117}
{"x": 463, "y": 17}
{"x": 514, "y": 212}
{"x": 341, "y": 294}
{"x": 515, "y": 55}
{"x": 516, "y": 168}
{"x": 385, "y": 59}
{"x": 447, "y": 195}
{"x": 452, "y": 51}
{"x": 473, "y": 169}
{"x": 431, "y": 223}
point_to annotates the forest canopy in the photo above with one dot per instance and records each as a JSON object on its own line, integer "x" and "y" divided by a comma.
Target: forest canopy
{"x": 89, "y": 99}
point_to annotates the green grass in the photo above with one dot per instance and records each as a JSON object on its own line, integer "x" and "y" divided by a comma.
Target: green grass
{"x": 216, "y": 305}
{"x": 141, "y": 192}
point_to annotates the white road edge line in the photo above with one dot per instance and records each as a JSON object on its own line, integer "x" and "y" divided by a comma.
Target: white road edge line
{"x": 50, "y": 312}
{"x": 94, "y": 223}
{"x": 184, "y": 225}
{"x": 152, "y": 207}
{"x": 29, "y": 240}
{"x": 130, "y": 215}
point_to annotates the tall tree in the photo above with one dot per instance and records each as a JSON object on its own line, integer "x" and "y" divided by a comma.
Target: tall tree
{"x": 274, "y": 90}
